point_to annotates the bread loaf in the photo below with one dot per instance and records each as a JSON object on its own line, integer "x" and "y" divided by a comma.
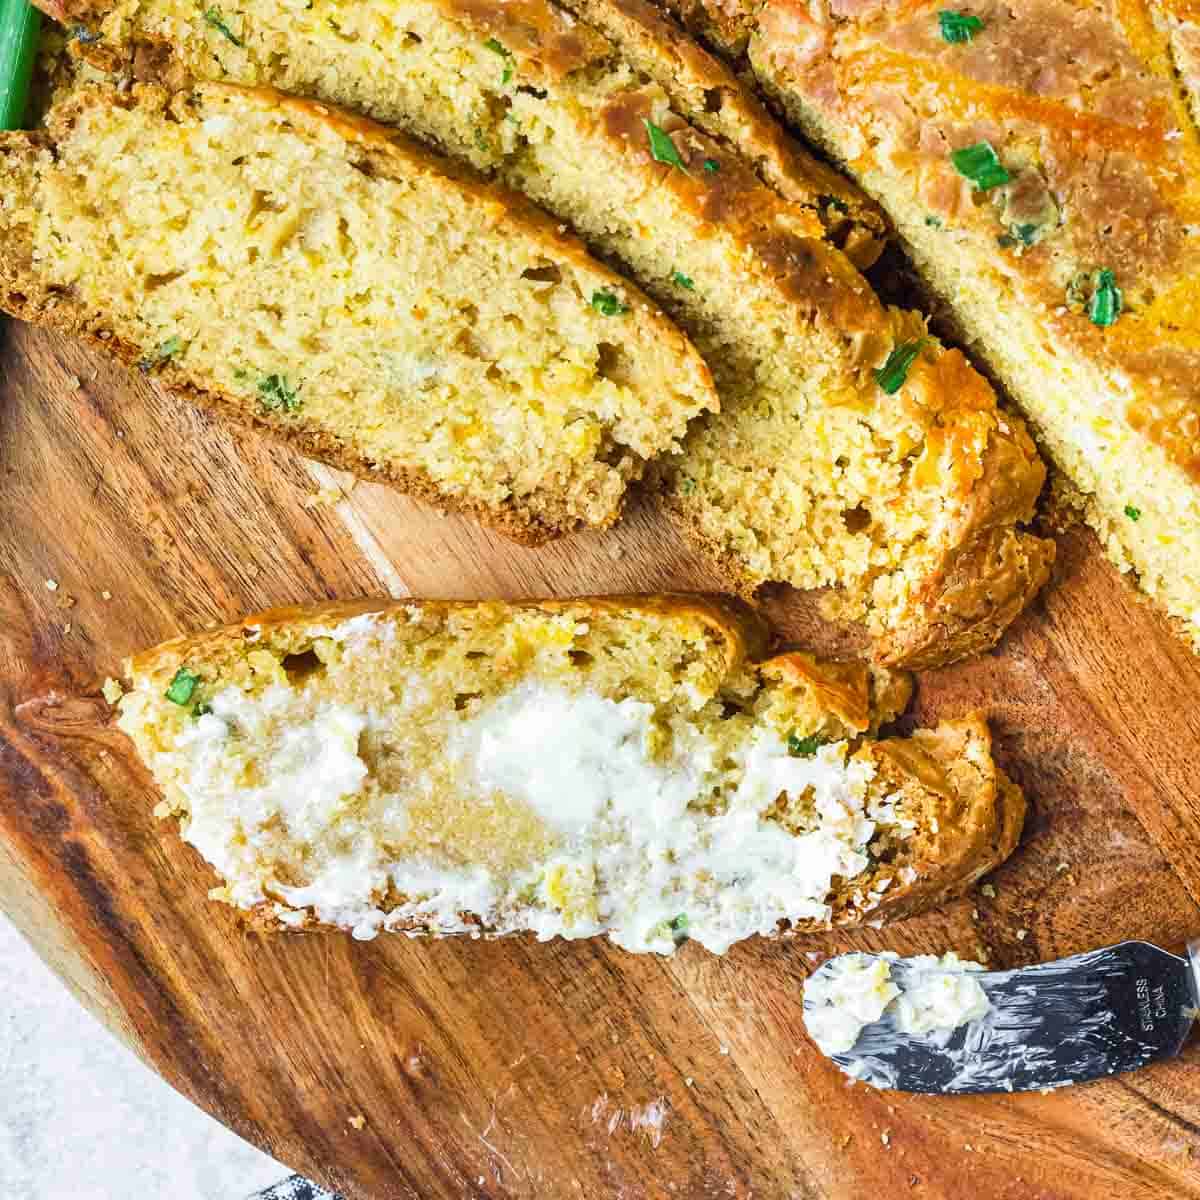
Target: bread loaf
{"x": 904, "y": 495}
{"x": 626, "y": 765}
{"x": 345, "y": 289}
{"x": 1040, "y": 161}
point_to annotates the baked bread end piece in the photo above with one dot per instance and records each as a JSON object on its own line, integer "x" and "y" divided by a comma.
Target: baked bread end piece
{"x": 939, "y": 572}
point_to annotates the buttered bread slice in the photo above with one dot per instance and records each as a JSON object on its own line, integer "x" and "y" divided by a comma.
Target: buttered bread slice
{"x": 1041, "y": 162}
{"x": 852, "y": 451}
{"x": 323, "y": 278}
{"x": 626, "y": 765}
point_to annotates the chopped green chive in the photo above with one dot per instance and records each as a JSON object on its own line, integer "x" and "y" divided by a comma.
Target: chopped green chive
{"x": 497, "y": 47}
{"x": 168, "y": 350}
{"x": 1106, "y": 303}
{"x": 662, "y": 149}
{"x": 19, "y": 27}
{"x": 679, "y": 928}
{"x": 275, "y": 393}
{"x": 894, "y": 372}
{"x": 684, "y": 281}
{"x": 608, "y": 305}
{"x": 687, "y": 486}
{"x": 213, "y": 17}
{"x": 181, "y": 687}
{"x": 202, "y": 709}
{"x": 981, "y": 165}
{"x": 933, "y": 222}
{"x": 1134, "y": 514}
{"x": 1018, "y": 235}
{"x": 805, "y": 747}
{"x": 481, "y": 142}
{"x": 711, "y": 165}
{"x": 958, "y": 26}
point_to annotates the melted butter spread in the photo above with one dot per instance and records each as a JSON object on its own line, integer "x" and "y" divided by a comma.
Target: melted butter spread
{"x": 853, "y": 991}
{"x": 550, "y": 808}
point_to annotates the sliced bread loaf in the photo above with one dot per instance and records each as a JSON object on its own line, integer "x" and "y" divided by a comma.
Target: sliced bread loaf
{"x": 1040, "y": 161}
{"x": 623, "y": 765}
{"x": 852, "y": 450}
{"x": 379, "y": 308}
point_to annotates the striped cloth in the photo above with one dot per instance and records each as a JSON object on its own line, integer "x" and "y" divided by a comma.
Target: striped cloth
{"x": 295, "y": 1187}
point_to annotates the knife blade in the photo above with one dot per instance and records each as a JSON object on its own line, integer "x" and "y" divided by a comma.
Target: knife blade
{"x": 1046, "y": 1026}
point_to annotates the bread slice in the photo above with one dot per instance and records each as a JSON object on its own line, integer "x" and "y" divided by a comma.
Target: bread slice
{"x": 622, "y": 765}
{"x": 379, "y": 308}
{"x": 812, "y": 475}
{"x": 1092, "y": 115}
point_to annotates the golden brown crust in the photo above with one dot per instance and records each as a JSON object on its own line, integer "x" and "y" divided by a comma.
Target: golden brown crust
{"x": 964, "y": 607}
{"x": 530, "y": 520}
{"x": 782, "y": 241}
{"x": 974, "y": 817}
{"x": 1181, "y": 19}
{"x": 845, "y": 698}
{"x": 742, "y": 630}
{"x": 727, "y": 24}
{"x": 988, "y": 570}
{"x": 709, "y": 95}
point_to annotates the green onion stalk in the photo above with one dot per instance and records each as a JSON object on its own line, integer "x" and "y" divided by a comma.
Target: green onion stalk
{"x": 20, "y": 24}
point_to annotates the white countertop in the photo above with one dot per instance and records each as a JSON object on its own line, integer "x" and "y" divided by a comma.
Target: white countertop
{"x": 82, "y": 1119}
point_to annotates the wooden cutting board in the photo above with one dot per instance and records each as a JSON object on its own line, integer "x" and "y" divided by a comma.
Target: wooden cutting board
{"x": 511, "y": 1069}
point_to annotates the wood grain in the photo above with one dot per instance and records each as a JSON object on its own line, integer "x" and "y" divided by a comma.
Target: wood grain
{"x": 513, "y": 1069}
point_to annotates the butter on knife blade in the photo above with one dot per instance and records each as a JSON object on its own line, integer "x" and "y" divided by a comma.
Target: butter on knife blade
{"x": 941, "y": 1025}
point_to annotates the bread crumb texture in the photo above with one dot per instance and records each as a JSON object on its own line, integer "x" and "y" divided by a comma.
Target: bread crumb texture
{"x": 340, "y": 287}
{"x": 1074, "y": 269}
{"x": 812, "y": 474}
{"x": 621, "y": 766}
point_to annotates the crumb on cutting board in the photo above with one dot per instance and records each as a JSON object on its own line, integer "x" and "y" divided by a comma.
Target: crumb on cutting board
{"x": 324, "y": 498}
